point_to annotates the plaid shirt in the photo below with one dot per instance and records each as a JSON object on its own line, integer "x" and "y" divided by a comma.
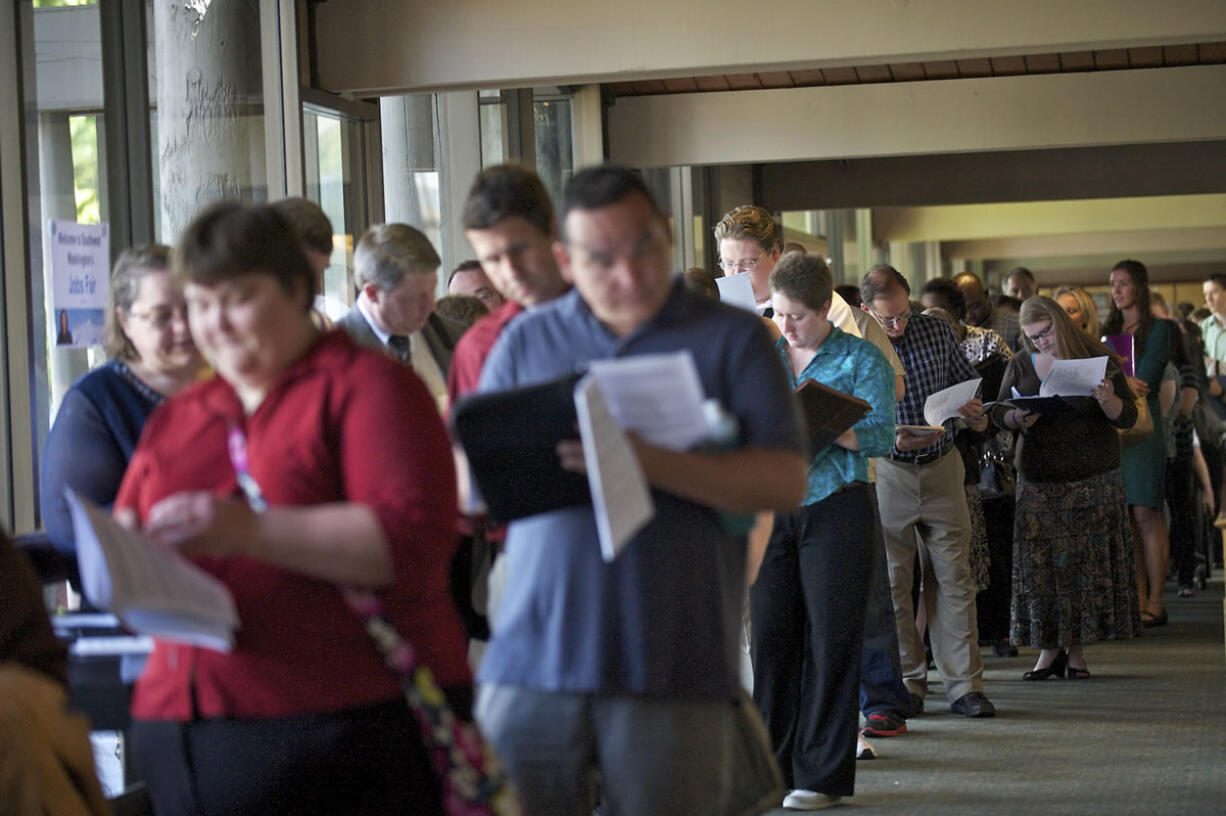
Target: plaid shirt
{"x": 933, "y": 360}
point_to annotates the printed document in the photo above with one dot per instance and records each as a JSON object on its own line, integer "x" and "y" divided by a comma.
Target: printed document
{"x": 658, "y": 396}
{"x": 944, "y": 404}
{"x": 737, "y": 290}
{"x": 1074, "y": 378}
{"x": 621, "y": 499}
{"x": 152, "y": 589}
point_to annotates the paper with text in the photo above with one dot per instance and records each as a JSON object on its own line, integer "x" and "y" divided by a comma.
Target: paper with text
{"x": 944, "y": 404}
{"x": 1073, "y": 378}
{"x": 737, "y": 290}
{"x": 658, "y": 396}
{"x": 621, "y": 499}
{"x": 153, "y": 590}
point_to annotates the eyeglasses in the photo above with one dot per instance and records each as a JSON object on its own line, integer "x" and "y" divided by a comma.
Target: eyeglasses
{"x": 162, "y": 318}
{"x": 1043, "y": 335}
{"x": 891, "y": 322}
{"x": 741, "y": 266}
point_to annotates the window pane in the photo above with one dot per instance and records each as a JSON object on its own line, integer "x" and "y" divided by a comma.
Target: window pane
{"x": 554, "y": 163}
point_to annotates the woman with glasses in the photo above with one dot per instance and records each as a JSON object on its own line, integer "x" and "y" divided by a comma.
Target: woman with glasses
{"x": 1073, "y": 577}
{"x": 101, "y": 417}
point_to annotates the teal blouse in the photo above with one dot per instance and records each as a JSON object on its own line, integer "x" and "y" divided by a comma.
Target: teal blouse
{"x": 853, "y": 366}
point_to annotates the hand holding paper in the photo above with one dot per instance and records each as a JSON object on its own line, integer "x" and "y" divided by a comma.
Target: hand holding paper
{"x": 1073, "y": 378}
{"x": 948, "y": 402}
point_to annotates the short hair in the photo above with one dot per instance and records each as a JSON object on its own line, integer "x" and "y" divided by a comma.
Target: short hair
{"x": 951, "y": 297}
{"x": 1200, "y": 313}
{"x": 882, "y": 279}
{"x": 387, "y": 252}
{"x": 1071, "y": 341}
{"x": 804, "y": 278}
{"x": 850, "y": 293}
{"x": 130, "y": 267}
{"x": 1184, "y": 308}
{"x": 1020, "y": 270}
{"x": 508, "y": 191}
{"x": 603, "y": 185}
{"x": 229, "y": 240}
{"x": 700, "y": 281}
{"x": 465, "y": 266}
{"x": 1089, "y": 309}
{"x": 1218, "y": 278}
{"x": 753, "y": 223}
{"x": 467, "y": 309}
{"x": 308, "y": 220}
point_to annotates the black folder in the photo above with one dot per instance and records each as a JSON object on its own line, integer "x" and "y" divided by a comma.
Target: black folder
{"x": 510, "y": 439}
{"x": 1049, "y": 405}
{"x": 828, "y": 413}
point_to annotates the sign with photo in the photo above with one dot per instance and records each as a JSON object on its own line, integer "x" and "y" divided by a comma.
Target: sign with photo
{"x": 80, "y": 271}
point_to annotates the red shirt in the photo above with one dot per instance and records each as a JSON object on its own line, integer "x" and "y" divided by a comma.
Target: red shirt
{"x": 342, "y": 424}
{"x": 474, "y": 347}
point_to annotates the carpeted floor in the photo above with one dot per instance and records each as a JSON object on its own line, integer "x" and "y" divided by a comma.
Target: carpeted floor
{"x": 1146, "y": 735}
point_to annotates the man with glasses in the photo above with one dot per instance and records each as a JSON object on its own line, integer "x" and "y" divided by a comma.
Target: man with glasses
{"x": 923, "y": 505}
{"x": 626, "y": 671}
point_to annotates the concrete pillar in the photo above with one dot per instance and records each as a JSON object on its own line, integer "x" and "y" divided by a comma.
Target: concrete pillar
{"x": 210, "y": 111}
{"x": 587, "y": 127}
{"x": 407, "y": 123}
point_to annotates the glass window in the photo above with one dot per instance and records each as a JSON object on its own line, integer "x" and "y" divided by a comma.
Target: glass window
{"x": 411, "y": 192}
{"x": 554, "y": 158}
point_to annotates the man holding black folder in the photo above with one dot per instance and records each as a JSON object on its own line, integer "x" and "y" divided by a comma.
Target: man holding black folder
{"x": 923, "y": 505}
{"x": 627, "y": 670}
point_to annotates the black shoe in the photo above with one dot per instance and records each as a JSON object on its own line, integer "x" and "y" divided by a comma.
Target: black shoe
{"x": 917, "y": 705}
{"x": 1002, "y": 648}
{"x": 973, "y": 704}
{"x": 1054, "y": 669}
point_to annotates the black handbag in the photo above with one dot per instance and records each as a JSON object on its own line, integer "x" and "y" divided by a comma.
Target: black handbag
{"x": 997, "y": 478}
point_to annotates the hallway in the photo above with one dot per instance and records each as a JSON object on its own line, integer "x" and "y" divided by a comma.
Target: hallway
{"x": 1144, "y": 736}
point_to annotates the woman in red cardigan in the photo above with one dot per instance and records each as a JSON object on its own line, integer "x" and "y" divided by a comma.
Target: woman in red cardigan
{"x": 349, "y": 453}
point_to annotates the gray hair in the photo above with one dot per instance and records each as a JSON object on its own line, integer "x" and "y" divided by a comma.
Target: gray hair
{"x": 387, "y": 252}
{"x": 131, "y": 265}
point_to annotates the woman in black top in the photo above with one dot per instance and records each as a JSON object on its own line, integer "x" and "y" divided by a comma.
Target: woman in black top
{"x": 1073, "y": 580}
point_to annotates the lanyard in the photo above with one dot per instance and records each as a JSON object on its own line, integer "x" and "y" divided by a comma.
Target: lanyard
{"x": 237, "y": 443}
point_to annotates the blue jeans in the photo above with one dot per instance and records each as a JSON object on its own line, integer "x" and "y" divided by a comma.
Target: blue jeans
{"x": 882, "y": 690}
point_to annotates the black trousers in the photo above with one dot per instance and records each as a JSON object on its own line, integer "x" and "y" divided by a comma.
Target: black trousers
{"x": 1181, "y": 498}
{"x": 807, "y": 611}
{"x": 992, "y": 604}
{"x": 368, "y": 760}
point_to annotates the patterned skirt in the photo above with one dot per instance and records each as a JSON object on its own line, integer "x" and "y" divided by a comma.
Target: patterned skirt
{"x": 981, "y": 558}
{"x": 1074, "y": 579}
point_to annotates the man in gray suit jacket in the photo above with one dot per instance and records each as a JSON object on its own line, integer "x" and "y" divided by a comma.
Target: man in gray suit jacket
{"x": 395, "y": 270}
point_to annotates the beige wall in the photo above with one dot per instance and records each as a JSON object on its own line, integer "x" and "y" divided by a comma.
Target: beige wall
{"x": 384, "y": 46}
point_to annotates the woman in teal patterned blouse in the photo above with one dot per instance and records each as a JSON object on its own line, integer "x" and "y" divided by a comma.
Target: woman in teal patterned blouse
{"x": 808, "y": 605}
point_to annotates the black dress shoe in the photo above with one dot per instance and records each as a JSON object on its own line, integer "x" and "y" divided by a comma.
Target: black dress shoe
{"x": 1054, "y": 669}
{"x": 973, "y": 704}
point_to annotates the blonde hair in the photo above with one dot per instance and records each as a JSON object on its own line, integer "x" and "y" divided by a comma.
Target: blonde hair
{"x": 1071, "y": 342}
{"x": 1089, "y": 310}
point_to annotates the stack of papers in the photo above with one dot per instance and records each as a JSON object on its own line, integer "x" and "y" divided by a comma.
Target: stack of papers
{"x": 152, "y": 590}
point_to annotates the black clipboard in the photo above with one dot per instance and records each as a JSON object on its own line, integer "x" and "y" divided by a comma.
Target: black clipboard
{"x": 510, "y": 438}
{"x": 1049, "y": 405}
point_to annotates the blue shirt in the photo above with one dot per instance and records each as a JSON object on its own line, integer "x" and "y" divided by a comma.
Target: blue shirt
{"x": 858, "y": 368}
{"x": 933, "y": 361}
{"x": 88, "y": 448}
{"x": 663, "y": 619}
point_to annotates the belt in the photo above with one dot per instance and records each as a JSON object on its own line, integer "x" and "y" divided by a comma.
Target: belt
{"x": 922, "y": 459}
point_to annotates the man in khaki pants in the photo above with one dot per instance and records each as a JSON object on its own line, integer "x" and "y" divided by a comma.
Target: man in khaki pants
{"x": 923, "y": 506}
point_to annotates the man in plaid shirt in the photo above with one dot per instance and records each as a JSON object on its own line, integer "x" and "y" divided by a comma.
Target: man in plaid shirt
{"x": 923, "y": 505}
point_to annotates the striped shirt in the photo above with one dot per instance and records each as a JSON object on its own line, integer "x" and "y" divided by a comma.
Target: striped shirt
{"x": 933, "y": 361}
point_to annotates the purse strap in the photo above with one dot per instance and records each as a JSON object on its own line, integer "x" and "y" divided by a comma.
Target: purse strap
{"x": 397, "y": 652}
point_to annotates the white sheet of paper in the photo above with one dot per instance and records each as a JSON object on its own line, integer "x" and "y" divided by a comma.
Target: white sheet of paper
{"x": 620, "y": 496}
{"x": 1073, "y": 378}
{"x": 945, "y": 403}
{"x": 658, "y": 396}
{"x": 152, "y": 590}
{"x": 737, "y": 290}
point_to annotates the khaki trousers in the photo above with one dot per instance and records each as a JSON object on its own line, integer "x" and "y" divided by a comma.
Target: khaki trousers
{"x": 923, "y": 510}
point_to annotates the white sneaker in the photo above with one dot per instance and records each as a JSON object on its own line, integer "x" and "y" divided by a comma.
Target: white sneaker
{"x": 865, "y": 749}
{"x": 810, "y": 800}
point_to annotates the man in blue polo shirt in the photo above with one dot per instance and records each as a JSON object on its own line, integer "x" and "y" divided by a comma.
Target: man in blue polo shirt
{"x": 627, "y": 671}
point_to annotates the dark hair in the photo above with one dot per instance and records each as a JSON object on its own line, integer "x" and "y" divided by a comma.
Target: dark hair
{"x": 465, "y": 266}
{"x": 1020, "y": 270}
{"x": 850, "y": 293}
{"x": 604, "y": 185}
{"x": 881, "y": 280}
{"x": 1007, "y": 302}
{"x": 1114, "y": 324}
{"x": 804, "y": 278}
{"x": 309, "y": 221}
{"x": 1218, "y": 278}
{"x": 700, "y": 281}
{"x": 130, "y": 267}
{"x": 507, "y": 191}
{"x": 228, "y": 240}
{"x": 467, "y": 309}
{"x": 951, "y": 297}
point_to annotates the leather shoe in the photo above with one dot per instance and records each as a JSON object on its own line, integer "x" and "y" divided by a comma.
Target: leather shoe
{"x": 917, "y": 705}
{"x": 973, "y": 704}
